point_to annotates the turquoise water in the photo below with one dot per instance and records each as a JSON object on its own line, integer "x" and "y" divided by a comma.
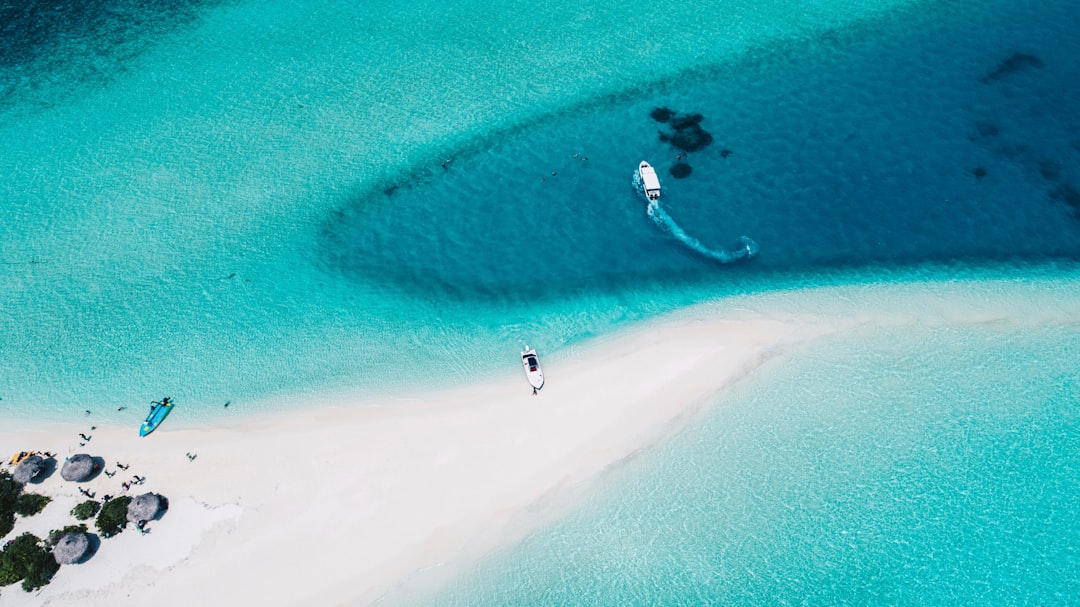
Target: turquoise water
{"x": 173, "y": 175}
{"x": 915, "y": 466}
{"x": 235, "y": 209}
{"x": 247, "y": 202}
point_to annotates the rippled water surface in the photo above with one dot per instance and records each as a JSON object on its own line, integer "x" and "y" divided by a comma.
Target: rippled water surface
{"x": 257, "y": 202}
{"x": 907, "y": 467}
{"x": 234, "y": 208}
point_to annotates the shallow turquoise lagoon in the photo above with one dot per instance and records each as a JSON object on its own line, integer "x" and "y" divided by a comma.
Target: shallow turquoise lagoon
{"x": 902, "y": 466}
{"x": 221, "y": 205}
{"x": 247, "y": 202}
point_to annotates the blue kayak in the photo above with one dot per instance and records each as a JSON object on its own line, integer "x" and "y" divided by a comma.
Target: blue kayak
{"x": 158, "y": 411}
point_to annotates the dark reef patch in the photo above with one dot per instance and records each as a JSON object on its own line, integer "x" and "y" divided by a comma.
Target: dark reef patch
{"x": 1068, "y": 194}
{"x": 725, "y": 153}
{"x": 978, "y": 172}
{"x": 1017, "y": 62}
{"x": 680, "y": 170}
{"x": 662, "y": 114}
{"x": 686, "y": 132}
{"x": 691, "y": 139}
{"x": 50, "y": 47}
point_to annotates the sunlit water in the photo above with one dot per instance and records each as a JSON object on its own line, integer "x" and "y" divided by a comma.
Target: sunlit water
{"x": 238, "y": 209}
{"x": 912, "y": 467}
{"x": 258, "y": 202}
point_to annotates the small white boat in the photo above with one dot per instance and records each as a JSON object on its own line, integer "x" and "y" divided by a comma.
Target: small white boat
{"x": 650, "y": 183}
{"x": 533, "y": 372}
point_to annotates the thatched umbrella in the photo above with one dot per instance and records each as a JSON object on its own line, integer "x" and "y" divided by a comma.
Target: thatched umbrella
{"x": 79, "y": 468}
{"x": 71, "y": 548}
{"x": 28, "y": 469}
{"x": 145, "y": 507}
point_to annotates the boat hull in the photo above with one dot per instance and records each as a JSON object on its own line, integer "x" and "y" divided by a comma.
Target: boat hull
{"x": 650, "y": 183}
{"x": 533, "y": 372}
{"x": 157, "y": 415}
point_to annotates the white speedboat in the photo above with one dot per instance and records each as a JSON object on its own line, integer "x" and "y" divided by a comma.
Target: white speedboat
{"x": 533, "y": 372}
{"x": 650, "y": 183}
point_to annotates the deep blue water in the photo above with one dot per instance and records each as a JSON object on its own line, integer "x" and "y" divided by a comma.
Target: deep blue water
{"x": 881, "y": 144}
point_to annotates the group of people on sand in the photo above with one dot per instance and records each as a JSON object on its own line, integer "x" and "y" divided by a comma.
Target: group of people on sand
{"x": 135, "y": 480}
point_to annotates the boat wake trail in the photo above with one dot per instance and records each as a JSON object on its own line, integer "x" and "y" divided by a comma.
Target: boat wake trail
{"x": 744, "y": 248}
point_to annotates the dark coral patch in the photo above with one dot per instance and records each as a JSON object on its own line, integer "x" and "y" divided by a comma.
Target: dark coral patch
{"x": 725, "y": 153}
{"x": 686, "y": 132}
{"x": 662, "y": 114}
{"x": 691, "y": 139}
{"x": 680, "y": 170}
{"x": 978, "y": 172}
{"x": 1016, "y": 62}
{"x": 1068, "y": 194}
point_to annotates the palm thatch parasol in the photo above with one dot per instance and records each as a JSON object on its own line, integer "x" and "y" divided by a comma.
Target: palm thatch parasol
{"x": 79, "y": 468}
{"x": 28, "y": 469}
{"x": 145, "y": 507}
{"x": 71, "y": 548}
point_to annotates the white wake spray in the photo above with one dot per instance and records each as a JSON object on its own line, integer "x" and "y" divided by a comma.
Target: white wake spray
{"x": 746, "y": 248}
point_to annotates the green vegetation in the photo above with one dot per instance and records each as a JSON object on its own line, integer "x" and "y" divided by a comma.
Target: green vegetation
{"x": 29, "y": 504}
{"x": 9, "y": 496}
{"x": 56, "y": 534}
{"x": 113, "y": 516}
{"x": 13, "y": 501}
{"x": 27, "y": 559}
{"x": 86, "y": 510}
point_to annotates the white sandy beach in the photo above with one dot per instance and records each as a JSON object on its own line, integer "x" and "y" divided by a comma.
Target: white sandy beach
{"x": 339, "y": 502}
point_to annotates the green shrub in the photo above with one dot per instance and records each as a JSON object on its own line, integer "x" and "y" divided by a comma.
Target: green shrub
{"x": 27, "y": 559}
{"x": 113, "y": 516}
{"x": 9, "y": 496}
{"x": 86, "y": 510}
{"x": 29, "y": 504}
{"x": 56, "y": 534}
{"x": 9, "y": 489}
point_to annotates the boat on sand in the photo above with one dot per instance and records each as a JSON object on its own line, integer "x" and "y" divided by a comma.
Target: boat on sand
{"x": 533, "y": 372}
{"x": 158, "y": 411}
